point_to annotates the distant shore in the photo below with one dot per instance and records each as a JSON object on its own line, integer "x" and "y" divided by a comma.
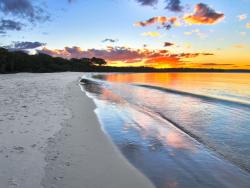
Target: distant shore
{"x": 50, "y": 137}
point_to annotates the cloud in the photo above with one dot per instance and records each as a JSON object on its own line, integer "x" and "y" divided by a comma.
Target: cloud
{"x": 25, "y": 45}
{"x": 242, "y": 17}
{"x": 6, "y": 25}
{"x": 151, "y": 34}
{"x": 164, "y": 22}
{"x": 153, "y": 20}
{"x": 124, "y": 55}
{"x": 110, "y": 40}
{"x": 24, "y": 9}
{"x": 172, "y": 60}
{"x": 248, "y": 25}
{"x": 167, "y": 44}
{"x": 174, "y": 5}
{"x": 147, "y": 2}
{"x": 203, "y": 15}
{"x": 110, "y": 54}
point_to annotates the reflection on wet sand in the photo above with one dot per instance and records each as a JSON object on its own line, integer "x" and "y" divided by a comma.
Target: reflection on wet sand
{"x": 166, "y": 155}
{"x": 149, "y": 127}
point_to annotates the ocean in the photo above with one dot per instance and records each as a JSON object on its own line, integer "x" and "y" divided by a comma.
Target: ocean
{"x": 179, "y": 129}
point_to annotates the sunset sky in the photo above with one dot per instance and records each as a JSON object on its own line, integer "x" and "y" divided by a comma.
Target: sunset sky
{"x": 158, "y": 33}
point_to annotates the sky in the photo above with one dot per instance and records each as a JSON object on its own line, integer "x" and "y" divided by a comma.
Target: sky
{"x": 154, "y": 33}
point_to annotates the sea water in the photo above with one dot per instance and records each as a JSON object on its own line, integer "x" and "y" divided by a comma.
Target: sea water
{"x": 179, "y": 129}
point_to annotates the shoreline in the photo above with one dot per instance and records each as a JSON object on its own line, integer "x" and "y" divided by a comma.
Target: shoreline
{"x": 86, "y": 157}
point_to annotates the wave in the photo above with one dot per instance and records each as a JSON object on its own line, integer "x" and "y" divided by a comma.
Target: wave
{"x": 203, "y": 97}
{"x": 196, "y": 138}
{"x": 87, "y": 81}
{"x": 209, "y": 98}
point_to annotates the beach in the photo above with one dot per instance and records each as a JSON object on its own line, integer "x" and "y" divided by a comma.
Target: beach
{"x": 94, "y": 130}
{"x": 124, "y": 94}
{"x": 50, "y": 137}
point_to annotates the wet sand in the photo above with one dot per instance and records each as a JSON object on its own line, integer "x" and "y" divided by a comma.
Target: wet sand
{"x": 50, "y": 137}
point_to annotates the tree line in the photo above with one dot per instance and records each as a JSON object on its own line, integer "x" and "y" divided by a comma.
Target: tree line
{"x": 18, "y": 61}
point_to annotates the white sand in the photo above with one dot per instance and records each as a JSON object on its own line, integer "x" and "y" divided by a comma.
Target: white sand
{"x": 50, "y": 137}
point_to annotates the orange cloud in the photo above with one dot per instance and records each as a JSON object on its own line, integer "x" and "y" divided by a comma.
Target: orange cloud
{"x": 248, "y": 25}
{"x": 172, "y": 60}
{"x": 162, "y": 20}
{"x": 203, "y": 15}
{"x": 163, "y": 61}
{"x": 123, "y": 56}
{"x": 151, "y": 21}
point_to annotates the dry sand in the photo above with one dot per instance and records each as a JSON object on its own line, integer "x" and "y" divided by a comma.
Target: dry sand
{"x": 50, "y": 137}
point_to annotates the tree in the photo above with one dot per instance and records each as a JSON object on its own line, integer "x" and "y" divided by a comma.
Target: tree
{"x": 3, "y": 59}
{"x": 98, "y": 61}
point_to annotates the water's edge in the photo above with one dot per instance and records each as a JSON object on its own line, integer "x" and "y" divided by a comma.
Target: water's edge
{"x": 212, "y": 151}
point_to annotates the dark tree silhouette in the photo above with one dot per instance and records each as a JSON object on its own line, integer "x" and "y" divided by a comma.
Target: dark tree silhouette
{"x": 98, "y": 61}
{"x": 3, "y": 59}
